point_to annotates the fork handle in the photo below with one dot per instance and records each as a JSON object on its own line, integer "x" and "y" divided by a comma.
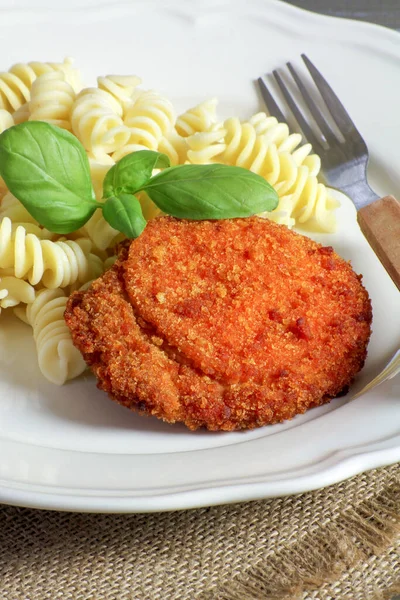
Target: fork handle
{"x": 380, "y": 224}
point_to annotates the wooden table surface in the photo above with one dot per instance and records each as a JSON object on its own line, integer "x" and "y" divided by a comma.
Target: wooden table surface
{"x": 383, "y": 12}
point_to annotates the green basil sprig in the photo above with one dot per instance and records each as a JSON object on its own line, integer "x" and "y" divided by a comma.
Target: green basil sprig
{"x": 210, "y": 192}
{"x": 124, "y": 213}
{"x": 132, "y": 172}
{"x": 47, "y": 169}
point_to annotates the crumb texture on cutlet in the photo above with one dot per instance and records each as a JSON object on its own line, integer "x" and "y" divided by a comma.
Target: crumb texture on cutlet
{"x": 225, "y": 324}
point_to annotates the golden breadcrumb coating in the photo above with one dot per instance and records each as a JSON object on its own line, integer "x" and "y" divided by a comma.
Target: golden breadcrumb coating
{"x": 228, "y": 324}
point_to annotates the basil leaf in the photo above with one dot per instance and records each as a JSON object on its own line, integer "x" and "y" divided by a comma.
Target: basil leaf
{"x": 124, "y": 213}
{"x": 47, "y": 169}
{"x": 211, "y": 192}
{"x": 132, "y": 172}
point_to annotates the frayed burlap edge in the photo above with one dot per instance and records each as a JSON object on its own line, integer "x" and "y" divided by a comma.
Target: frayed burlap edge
{"x": 322, "y": 556}
{"x": 394, "y": 590}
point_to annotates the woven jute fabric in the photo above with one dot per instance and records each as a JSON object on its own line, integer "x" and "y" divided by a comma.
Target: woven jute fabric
{"x": 339, "y": 543}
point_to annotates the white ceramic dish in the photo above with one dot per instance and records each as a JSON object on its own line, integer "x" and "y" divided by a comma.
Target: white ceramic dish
{"x": 73, "y": 449}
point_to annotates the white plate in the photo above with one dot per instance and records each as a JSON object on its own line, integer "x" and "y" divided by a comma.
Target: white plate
{"x": 71, "y": 448}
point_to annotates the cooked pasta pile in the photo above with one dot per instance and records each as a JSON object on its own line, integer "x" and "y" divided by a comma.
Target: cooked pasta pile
{"x": 39, "y": 269}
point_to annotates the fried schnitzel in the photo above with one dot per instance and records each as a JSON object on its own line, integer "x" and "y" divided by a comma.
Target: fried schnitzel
{"x": 229, "y": 324}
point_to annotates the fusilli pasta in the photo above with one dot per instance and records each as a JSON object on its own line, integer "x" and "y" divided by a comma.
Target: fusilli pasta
{"x": 16, "y": 83}
{"x": 51, "y": 100}
{"x": 96, "y": 123}
{"x": 55, "y": 264}
{"x": 121, "y": 87}
{"x": 13, "y": 291}
{"x": 278, "y": 133}
{"x": 100, "y": 232}
{"x": 174, "y": 146}
{"x": 58, "y": 358}
{"x": 312, "y": 204}
{"x": 22, "y": 114}
{"x": 149, "y": 119}
{"x": 206, "y": 147}
{"x": 199, "y": 118}
{"x": 12, "y": 208}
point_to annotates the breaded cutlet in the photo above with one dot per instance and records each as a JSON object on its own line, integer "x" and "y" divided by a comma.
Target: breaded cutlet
{"x": 229, "y": 324}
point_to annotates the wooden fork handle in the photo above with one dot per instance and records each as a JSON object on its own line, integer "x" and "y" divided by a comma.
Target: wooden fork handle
{"x": 380, "y": 223}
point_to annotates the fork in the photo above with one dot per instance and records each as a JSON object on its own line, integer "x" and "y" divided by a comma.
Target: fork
{"x": 344, "y": 162}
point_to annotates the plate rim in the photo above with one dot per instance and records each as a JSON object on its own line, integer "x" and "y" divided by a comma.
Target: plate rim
{"x": 338, "y": 467}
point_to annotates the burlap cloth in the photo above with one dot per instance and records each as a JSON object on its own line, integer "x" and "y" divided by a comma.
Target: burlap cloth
{"x": 340, "y": 543}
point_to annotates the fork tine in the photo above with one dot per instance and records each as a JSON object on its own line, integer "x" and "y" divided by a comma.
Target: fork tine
{"x": 324, "y": 126}
{"x": 270, "y": 103}
{"x": 305, "y": 127}
{"x": 336, "y": 108}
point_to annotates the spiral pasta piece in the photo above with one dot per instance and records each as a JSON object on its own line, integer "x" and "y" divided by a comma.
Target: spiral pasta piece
{"x": 244, "y": 148}
{"x": 12, "y": 208}
{"x": 125, "y": 150}
{"x": 3, "y": 295}
{"x": 324, "y": 214}
{"x": 149, "y": 209}
{"x": 282, "y": 213}
{"x": 22, "y": 114}
{"x": 120, "y": 87}
{"x": 197, "y": 119}
{"x": 149, "y": 119}
{"x": 278, "y": 133}
{"x": 312, "y": 204}
{"x": 109, "y": 262}
{"x": 13, "y": 291}
{"x": 96, "y": 123}
{"x": 51, "y": 100}
{"x": 16, "y": 83}
{"x": 54, "y": 264}
{"x": 308, "y": 201}
{"x": 100, "y": 232}
{"x": 174, "y": 146}
{"x": 271, "y": 129}
{"x": 98, "y": 170}
{"x": 13, "y": 91}
{"x": 204, "y": 147}
{"x": 58, "y": 358}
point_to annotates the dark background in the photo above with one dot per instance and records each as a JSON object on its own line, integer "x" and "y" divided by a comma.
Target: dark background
{"x": 383, "y": 12}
